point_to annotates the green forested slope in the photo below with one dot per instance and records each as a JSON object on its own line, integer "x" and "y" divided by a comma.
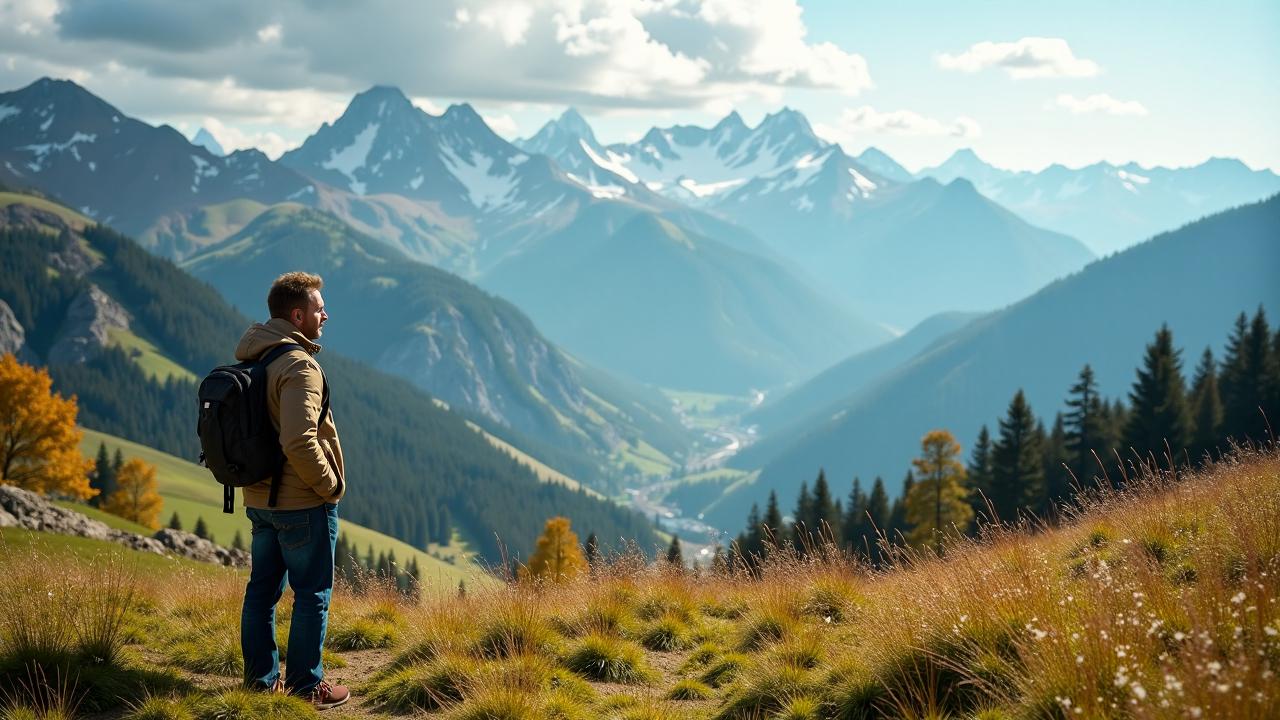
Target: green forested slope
{"x": 416, "y": 471}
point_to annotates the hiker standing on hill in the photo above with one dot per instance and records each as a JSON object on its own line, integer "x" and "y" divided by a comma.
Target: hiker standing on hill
{"x": 295, "y": 536}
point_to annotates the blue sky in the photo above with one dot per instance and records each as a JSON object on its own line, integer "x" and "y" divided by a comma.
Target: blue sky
{"x": 1170, "y": 83}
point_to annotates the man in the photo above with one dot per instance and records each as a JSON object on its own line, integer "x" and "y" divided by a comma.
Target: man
{"x": 295, "y": 538}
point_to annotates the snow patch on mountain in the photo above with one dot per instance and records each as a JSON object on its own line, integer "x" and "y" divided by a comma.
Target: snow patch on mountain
{"x": 706, "y": 190}
{"x": 484, "y": 190}
{"x": 7, "y": 111}
{"x": 860, "y": 180}
{"x": 612, "y": 163}
{"x": 43, "y": 150}
{"x": 204, "y": 169}
{"x": 354, "y": 156}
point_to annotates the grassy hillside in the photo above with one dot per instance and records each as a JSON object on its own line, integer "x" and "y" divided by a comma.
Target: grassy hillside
{"x": 191, "y": 492}
{"x": 1158, "y": 602}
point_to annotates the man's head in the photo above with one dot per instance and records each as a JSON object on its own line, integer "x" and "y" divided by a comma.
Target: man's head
{"x": 295, "y": 296}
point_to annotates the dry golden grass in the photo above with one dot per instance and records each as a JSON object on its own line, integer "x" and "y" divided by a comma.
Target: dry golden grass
{"x": 1158, "y": 602}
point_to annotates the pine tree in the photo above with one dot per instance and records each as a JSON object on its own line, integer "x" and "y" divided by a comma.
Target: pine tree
{"x": 674, "y": 555}
{"x": 801, "y": 517}
{"x": 877, "y": 508}
{"x": 592, "y": 550}
{"x": 854, "y": 524}
{"x": 1248, "y": 379}
{"x": 980, "y": 472}
{"x": 824, "y": 523}
{"x": 771, "y": 533}
{"x": 104, "y": 477}
{"x": 1086, "y": 427}
{"x": 1057, "y": 475}
{"x": 237, "y": 543}
{"x": 558, "y": 556}
{"x": 1159, "y": 414}
{"x": 201, "y": 530}
{"x": 751, "y": 542}
{"x": 117, "y": 462}
{"x": 899, "y": 526}
{"x": 939, "y": 500}
{"x": 1206, "y": 408}
{"x": 341, "y": 558}
{"x": 175, "y": 523}
{"x": 1017, "y": 470}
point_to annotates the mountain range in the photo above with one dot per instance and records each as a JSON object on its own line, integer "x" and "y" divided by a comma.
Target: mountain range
{"x": 850, "y": 228}
{"x": 1110, "y": 207}
{"x": 438, "y": 331}
{"x": 1196, "y": 279}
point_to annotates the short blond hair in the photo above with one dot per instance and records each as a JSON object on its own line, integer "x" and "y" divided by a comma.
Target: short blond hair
{"x": 291, "y": 290}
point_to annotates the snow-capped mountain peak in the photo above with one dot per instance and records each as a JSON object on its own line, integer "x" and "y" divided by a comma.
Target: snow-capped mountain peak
{"x": 206, "y": 140}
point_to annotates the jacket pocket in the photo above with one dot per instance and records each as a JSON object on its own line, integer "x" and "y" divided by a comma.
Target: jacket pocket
{"x": 327, "y": 450}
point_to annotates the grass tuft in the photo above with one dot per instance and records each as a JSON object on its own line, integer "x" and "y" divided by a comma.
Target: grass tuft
{"x": 689, "y": 689}
{"x": 609, "y": 659}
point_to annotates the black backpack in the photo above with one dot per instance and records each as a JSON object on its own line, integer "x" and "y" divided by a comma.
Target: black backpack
{"x": 237, "y": 440}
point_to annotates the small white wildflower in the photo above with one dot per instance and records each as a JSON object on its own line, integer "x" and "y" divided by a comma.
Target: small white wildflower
{"x": 1222, "y": 687}
{"x": 1195, "y": 712}
{"x": 1270, "y": 631}
{"x": 1214, "y": 667}
{"x": 1138, "y": 691}
{"x": 1179, "y": 636}
{"x": 1237, "y": 598}
{"x": 1079, "y": 659}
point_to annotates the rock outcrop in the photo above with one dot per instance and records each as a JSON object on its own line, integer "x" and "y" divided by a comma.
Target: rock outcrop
{"x": 87, "y": 327}
{"x": 13, "y": 337}
{"x": 23, "y": 508}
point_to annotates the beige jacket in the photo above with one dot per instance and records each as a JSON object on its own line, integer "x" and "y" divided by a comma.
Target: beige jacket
{"x": 313, "y": 472}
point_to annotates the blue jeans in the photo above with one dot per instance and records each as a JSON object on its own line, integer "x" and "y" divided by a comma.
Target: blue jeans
{"x": 298, "y": 545}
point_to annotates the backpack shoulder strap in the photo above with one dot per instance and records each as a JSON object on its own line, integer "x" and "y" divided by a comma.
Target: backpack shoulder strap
{"x": 275, "y": 352}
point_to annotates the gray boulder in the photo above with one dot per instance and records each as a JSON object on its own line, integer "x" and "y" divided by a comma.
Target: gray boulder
{"x": 33, "y": 512}
{"x": 179, "y": 542}
{"x": 86, "y": 329}
{"x": 23, "y": 508}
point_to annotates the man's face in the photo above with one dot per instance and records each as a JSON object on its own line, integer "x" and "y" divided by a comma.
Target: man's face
{"x": 310, "y": 322}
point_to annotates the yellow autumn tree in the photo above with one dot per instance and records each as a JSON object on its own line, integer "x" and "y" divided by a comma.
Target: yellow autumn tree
{"x": 135, "y": 497}
{"x": 557, "y": 556}
{"x": 39, "y": 442}
{"x": 938, "y": 502}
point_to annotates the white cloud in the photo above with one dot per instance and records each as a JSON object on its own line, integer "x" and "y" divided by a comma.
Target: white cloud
{"x": 652, "y": 54}
{"x": 1100, "y": 102}
{"x": 269, "y": 33}
{"x": 504, "y": 125}
{"x": 1030, "y": 57}
{"x": 510, "y": 20}
{"x": 867, "y": 120}
{"x": 232, "y": 138}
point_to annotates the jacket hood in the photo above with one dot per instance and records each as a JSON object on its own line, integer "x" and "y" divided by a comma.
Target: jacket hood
{"x": 261, "y": 337}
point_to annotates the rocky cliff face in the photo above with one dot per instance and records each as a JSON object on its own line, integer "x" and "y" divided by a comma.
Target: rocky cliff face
{"x": 516, "y": 383}
{"x": 25, "y": 509}
{"x": 13, "y": 337}
{"x": 87, "y": 326}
